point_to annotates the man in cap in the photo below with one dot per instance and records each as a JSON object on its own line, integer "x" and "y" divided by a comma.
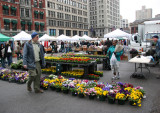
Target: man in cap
{"x": 157, "y": 40}
{"x": 33, "y": 60}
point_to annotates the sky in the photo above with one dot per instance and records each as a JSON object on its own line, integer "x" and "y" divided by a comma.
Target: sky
{"x": 128, "y": 8}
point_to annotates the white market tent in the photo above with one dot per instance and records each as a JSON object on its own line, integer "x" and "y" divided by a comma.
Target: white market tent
{"x": 76, "y": 38}
{"x": 46, "y": 37}
{"x": 22, "y": 36}
{"x": 117, "y": 33}
{"x": 85, "y": 37}
{"x": 64, "y": 38}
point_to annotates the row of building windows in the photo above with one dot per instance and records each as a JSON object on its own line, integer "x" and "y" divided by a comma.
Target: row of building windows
{"x": 60, "y": 7}
{"x": 9, "y": 11}
{"x": 13, "y": 23}
{"x": 52, "y": 32}
{"x": 66, "y": 24}
{"x": 67, "y": 17}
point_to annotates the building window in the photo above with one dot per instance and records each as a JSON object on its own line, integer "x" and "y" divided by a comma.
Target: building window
{"x": 52, "y": 32}
{"x": 29, "y": 26}
{"x": 5, "y": 10}
{"x": 61, "y": 32}
{"x": 41, "y": 15}
{"x": 13, "y": 11}
{"x": 26, "y": 2}
{"x": 68, "y": 32}
{"x": 22, "y": 12}
{"x": 36, "y": 14}
{"x": 42, "y": 26}
{"x": 74, "y": 33}
{"x": 23, "y": 23}
{"x": 14, "y": 25}
{"x": 6, "y": 24}
{"x": 27, "y": 13}
{"x": 13, "y": 1}
{"x": 35, "y": 3}
{"x": 86, "y": 33}
{"x": 36, "y": 26}
{"x": 40, "y": 4}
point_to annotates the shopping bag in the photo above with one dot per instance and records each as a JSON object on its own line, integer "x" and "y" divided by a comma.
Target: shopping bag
{"x": 113, "y": 60}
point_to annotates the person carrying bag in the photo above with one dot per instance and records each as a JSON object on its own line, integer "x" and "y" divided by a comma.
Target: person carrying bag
{"x": 115, "y": 51}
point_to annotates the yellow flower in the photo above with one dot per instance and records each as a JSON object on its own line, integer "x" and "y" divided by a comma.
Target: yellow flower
{"x": 139, "y": 105}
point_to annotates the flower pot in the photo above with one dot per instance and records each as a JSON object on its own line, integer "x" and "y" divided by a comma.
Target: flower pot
{"x": 81, "y": 95}
{"x": 66, "y": 91}
{"x": 91, "y": 97}
{"x": 74, "y": 93}
{"x": 121, "y": 102}
{"x": 102, "y": 98}
{"x": 45, "y": 88}
{"x": 58, "y": 89}
{"x": 111, "y": 101}
{"x": 132, "y": 103}
{"x": 53, "y": 88}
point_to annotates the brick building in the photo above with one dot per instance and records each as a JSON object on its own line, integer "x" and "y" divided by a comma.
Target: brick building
{"x": 22, "y": 15}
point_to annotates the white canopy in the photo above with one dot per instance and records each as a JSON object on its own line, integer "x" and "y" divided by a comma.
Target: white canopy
{"x": 22, "y": 36}
{"x": 117, "y": 33}
{"x": 76, "y": 38}
{"x": 85, "y": 37}
{"x": 64, "y": 38}
{"x": 46, "y": 37}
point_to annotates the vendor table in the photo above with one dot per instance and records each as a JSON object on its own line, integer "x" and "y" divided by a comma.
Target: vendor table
{"x": 89, "y": 68}
{"x": 140, "y": 60}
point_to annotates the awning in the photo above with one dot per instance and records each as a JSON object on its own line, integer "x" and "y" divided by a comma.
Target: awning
{"x": 14, "y": 21}
{"x": 29, "y": 23}
{"x": 13, "y": 8}
{"x": 23, "y": 22}
{"x": 4, "y": 38}
{"x": 41, "y": 24}
{"x": 5, "y": 7}
{"x": 6, "y": 21}
{"x": 36, "y": 23}
{"x": 41, "y": 13}
{"x": 36, "y": 12}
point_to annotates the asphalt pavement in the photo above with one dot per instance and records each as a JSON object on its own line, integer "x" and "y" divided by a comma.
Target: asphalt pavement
{"x": 14, "y": 98}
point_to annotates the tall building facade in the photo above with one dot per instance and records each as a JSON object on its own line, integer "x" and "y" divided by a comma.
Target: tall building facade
{"x": 22, "y": 15}
{"x": 144, "y": 13}
{"x": 123, "y": 23}
{"x": 104, "y": 16}
{"x": 68, "y": 17}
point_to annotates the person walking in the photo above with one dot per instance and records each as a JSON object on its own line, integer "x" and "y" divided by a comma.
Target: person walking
{"x": 8, "y": 52}
{"x": 2, "y": 55}
{"x": 115, "y": 68}
{"x": 33, "y": 60}
{"x": 157, "y": 41}
{"x": 19, "y": 48}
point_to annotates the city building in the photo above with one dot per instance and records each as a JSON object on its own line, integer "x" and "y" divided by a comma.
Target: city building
{"x": 104, "y": 16}
{"x": 22, "y": 15}
{"x": 68, "y": 17}
{"x": 134, "y": 25}
{"x": 9, "y": 17}
{"x": 144, "y": 13}
{"x": 123, "y": 23}
{"x": 157, "y": 16}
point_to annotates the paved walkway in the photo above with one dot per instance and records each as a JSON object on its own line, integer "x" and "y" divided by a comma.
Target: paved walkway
{"x": 14, "y": 98}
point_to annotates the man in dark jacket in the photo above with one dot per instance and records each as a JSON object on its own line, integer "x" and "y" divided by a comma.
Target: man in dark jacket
{"x": 33, "y": 60}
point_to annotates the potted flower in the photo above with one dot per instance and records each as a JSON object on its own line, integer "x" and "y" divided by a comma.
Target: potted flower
{"x": 91, "y": 92}
{"x": 74, "y": 91}
{"x": 52, "y": 86}
{"x": 65, "y": 89}
{"x": 58, "y": 87}
{"x": 101, "y": 93}
{"x": 80, "y": 92}
{"x": 121, "y": 98}
{"x": 111, "y": 97}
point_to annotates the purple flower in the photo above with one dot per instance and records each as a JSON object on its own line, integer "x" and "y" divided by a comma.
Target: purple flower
{"x": 71, "y": 78}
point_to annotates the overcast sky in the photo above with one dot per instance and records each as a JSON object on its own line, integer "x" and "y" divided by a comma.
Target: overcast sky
{"x": 128, "y": 8}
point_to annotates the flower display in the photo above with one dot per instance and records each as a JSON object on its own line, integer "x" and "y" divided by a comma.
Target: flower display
{"x": 100, "y": 73}
{"x": 49, "y": 70}
{"x": 93, "y": 76}
{"x": 74, "y": 73}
